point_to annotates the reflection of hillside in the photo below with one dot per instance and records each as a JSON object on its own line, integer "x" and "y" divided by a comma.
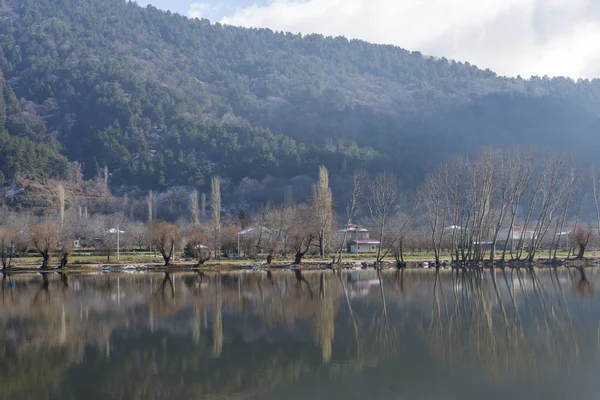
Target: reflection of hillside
{"x": 192, "y": 335}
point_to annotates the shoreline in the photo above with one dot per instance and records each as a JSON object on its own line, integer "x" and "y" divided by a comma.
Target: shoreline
{"x": 309, "y": 265}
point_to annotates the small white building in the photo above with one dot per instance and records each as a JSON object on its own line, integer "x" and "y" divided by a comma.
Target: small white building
{"x": 363, "y": 246}
{"x": 358, "y": 240}
{"x": 516, "y": 233}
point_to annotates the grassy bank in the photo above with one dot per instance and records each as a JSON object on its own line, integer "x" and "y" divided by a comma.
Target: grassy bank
{"x": 93, "y": 262}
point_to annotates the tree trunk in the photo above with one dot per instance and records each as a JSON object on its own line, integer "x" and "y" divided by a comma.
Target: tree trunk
{"x": 45, "y": 260}
{"x": 64, "y": 261}
{"x": 202, "y": 260}
{"x": 64, "y": 279}
{"x": 343, "y": 245}
{"x": 581, "y": 252}
{"x": 401, "y": 248}
{"x": 298, "y": 258}
{"x": 270, "y": 258}
{"x": 166, "y": 257}
{"x": 322, "y": 244}
{"x": 380, "y": 244}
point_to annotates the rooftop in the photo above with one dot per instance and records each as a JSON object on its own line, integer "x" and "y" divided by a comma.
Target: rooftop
{"x": 354, "y": 228}
{"x": 365, "y": 241}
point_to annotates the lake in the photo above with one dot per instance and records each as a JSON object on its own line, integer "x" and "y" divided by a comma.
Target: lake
{"x": 320, "y": 335}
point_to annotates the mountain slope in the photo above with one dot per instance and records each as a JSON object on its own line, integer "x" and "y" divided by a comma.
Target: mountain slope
{"x": 27, "y": 150}
{"x": 163, "y": 100}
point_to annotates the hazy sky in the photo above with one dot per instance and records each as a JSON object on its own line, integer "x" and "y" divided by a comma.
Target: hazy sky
{"x": 511, "y": 37}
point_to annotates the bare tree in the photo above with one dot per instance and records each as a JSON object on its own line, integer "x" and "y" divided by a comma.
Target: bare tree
{"x": 216, "y": 211}
{"x": 553, "y": 176}
{"x": 433, "y": 198}
{"x": 274, "y": 221}
{"x": 44, "y": 239}
{"x": 138, "y": 233}
{"x": 394, "y": 237}
{"x": 523, "y": 165}
{"x": 581, "y": 236}
{"x": 228, "y": 236}
{"x": 383, "y": 202}
{"x": 102, "y": 230}
{"x": 8, "y": 239}
{"x": 358, "y": 187}
{"x": 61, "y": 205}
{"x": 203, "y": 206}
{"x": 67, "y": 234}
{"x": 323, "y": 209}
{"x": 563, "y": 207}
{"x": 302, "y": 232}
{"x": 483, "y": 181}
{"x": 164, "y": 237}
{"x": 66, "y": 251}
{"x": 199, "y": 243}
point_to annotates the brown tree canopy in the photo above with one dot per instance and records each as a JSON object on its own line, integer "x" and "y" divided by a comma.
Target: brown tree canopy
{"x": 302, "y": 232}
{"x": 199, "y": 242}
{"x": 164, "y": 237}
{"x": 44, "y": 239}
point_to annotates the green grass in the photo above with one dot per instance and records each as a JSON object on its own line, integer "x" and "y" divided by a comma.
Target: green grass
{"x": 83, "y": 258}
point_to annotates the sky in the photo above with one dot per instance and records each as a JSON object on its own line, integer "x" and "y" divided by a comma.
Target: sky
{"x": 511, "y": 37}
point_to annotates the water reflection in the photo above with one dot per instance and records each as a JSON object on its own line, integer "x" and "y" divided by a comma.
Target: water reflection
{"x": 276, "y": 334}
{"x": 509, "y": 324}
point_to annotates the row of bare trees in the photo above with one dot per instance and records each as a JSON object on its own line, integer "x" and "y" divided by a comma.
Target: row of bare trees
{"x": 506, "y": 205}
{"x": 498, "y": 205}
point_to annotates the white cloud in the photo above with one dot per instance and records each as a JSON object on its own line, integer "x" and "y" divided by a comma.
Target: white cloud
{"x": 512, "y": 37}
{"x": 198, "y": 10}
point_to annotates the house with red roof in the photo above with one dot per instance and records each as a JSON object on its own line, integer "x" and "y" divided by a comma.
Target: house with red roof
{"x": 359, "y": 240}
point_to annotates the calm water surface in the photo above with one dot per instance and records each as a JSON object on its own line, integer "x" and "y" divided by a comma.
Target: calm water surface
{"x": 253, "y": 335}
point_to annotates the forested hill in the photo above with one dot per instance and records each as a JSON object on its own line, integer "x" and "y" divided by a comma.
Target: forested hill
{"x": 162, "y": 100}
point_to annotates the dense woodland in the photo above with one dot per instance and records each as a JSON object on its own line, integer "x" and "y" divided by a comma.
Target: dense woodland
{"x": 162, "y": 101}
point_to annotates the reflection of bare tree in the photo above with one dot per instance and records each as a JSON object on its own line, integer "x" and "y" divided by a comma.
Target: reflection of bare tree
{"x": 164, "y": 301}
{"x": 300, "y": 279}
{"x": 218, "y": 322}
{"x": 44, "y": 288}
{"x": 386, "y": 334}
{"x": 195, "y": 285}
{"x": 583, "y": 288}
{"x": 504, "y": 323}
{"x": 503, "y": 327}
{"x": 324, "y": 320}
{"x": 64, "y": 279}
{"x": 357, "y": 337}
{"x": 7, "y": 284}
